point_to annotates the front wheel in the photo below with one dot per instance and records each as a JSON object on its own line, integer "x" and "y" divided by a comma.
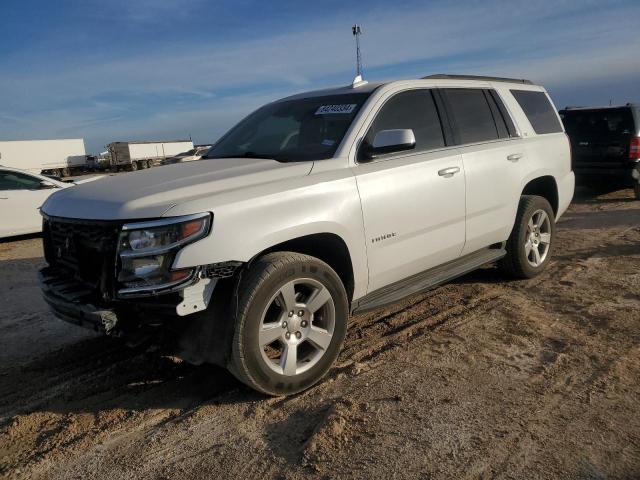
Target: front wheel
{"x": 291, "y": 320}
{"x": 530, "y": 244}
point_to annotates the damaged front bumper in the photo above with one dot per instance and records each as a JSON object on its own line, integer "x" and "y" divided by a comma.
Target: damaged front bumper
{"x": 74, "y": 302}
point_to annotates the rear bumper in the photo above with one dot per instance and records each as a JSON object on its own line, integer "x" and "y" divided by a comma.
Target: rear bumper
{"x": 73, "y": 303}
{"x": 622, "y": 173}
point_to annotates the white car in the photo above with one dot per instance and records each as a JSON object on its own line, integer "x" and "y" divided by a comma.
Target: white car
{"x": 313, "y": 207}
{"x": 193, "y": 154}
{"x": 21, "y": 196}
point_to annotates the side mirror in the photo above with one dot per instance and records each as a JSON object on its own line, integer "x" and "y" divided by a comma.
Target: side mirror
{"x": 390, "y": 141}
{"x": 44, "y": 185}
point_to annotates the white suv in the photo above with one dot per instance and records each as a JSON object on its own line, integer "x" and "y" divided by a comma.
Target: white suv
{"x": 311, "y": 208}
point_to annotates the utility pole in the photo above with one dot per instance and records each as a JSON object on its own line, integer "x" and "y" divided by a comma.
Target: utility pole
{"x": 356, "y": 33}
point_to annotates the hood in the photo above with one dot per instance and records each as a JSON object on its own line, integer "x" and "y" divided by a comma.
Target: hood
{"x": 150, "y": 193}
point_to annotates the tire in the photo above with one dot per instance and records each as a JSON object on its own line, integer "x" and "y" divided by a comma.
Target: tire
{"x": 134, "y": 166}
{"x": 143, "y": 164}
{"x": 636, "y": 190}
{"x": 274, "y": 351}
{"x": 521, "y": 260}
{"x": 66, "y": 172}
{"x": 149, "y": 163}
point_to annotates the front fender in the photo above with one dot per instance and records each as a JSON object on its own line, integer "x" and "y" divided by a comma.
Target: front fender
{"x": 243, "y": 229}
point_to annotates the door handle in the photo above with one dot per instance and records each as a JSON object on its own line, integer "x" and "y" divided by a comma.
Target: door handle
{"x": 4, "y": 198}
{"x": 448, "y": 172}
{"x": 514, "y": 157}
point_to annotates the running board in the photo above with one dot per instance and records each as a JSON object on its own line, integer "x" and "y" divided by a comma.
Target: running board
{"x": 427, "y": 279}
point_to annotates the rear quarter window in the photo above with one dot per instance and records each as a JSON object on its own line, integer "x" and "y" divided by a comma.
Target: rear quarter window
{"x": 539, "y": 111}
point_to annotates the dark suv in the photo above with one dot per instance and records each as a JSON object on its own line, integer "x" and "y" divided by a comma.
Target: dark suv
{"x": 605, "y": 143}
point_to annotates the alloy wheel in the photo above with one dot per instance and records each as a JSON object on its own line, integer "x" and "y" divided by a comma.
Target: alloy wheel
{"x": 297, "y": 326}
{"x": 537, "y": 238}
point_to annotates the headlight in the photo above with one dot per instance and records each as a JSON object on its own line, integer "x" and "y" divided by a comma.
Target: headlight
{"x": 146, "y": 251}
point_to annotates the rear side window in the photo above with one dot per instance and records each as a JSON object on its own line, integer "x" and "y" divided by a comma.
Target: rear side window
{"x": 539, "y": 111}
{"x": 472, "y": 117}
{"x": 414, "y": 109}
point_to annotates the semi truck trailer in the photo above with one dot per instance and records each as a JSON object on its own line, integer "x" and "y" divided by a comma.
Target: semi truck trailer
{"x": 137, "y": 155}
{"x": 53, "y": 157}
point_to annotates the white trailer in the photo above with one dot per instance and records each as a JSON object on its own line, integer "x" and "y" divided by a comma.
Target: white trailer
{"x": 135, "y": 155}
{"x": 56, "y": 157}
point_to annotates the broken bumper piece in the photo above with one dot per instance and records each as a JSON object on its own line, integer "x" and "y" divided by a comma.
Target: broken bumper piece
{"x": 71, "y": 302}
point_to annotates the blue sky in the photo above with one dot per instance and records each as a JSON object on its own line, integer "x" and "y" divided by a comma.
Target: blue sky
{"x": 161, "y": 69}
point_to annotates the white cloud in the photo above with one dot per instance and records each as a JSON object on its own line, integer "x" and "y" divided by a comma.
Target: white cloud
{"x": 556, "y": 43}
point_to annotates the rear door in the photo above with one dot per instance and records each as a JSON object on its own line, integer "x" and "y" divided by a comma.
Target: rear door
{"x": 600, "y": 138}
{"x": 493, "y": 157}
{"x": 413, "y": 201}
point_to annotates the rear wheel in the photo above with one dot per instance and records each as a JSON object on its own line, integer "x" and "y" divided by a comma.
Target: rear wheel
{"x": 134, "y": 166}
{"x": 149, "y": 163}
{"x": 530, "y": 244}
{"x": 291, "y": 320}
{"x": 66, "y": 172}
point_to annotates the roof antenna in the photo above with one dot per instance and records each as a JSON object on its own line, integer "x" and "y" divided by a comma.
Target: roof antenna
{"x": 358, "y": 81}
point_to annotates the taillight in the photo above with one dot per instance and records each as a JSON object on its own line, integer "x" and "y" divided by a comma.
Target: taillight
{"x": 634, "y": 148}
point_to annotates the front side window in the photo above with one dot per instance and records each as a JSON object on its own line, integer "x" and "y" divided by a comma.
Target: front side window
{"x": 18, "y": 181}
{"x": 472, "y": 117}
{"x": 415, "y": 110}
{"x": 539, "y": 111}
{"x": 292, "y": 130}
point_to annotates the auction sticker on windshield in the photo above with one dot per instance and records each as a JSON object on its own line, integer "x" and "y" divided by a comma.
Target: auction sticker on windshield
{"x": 343, "y": 108}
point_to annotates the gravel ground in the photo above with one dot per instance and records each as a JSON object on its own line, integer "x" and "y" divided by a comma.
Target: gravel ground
{"x": 480, "y": 378}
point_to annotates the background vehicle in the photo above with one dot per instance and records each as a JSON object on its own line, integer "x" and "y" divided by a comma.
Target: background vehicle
{"x": 57, "y": 157}
{"x": 21, "y": 195}
{"x": 99, "y": 162}
{"x": 138, "y": 155}
{"x": 193, "y": 154}
{"x": 605, "y": 144}
{"x": 317, "y": 205}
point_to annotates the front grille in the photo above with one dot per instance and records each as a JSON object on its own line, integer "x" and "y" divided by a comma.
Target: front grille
{"x": 84, "y": 250}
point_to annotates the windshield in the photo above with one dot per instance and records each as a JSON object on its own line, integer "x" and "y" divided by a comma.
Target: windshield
{"x": 291, "y": 131}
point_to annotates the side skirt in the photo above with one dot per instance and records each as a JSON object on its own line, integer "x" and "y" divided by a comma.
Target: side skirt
{"x": 427, "y": 279}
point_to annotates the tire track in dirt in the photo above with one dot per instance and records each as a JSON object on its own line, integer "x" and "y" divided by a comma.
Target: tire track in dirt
{"x": 97, "y": 409}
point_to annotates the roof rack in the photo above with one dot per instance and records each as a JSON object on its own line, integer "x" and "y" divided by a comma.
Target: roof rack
{"x": 477, "y": 77}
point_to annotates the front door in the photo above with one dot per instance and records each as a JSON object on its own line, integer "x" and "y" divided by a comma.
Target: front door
{"x": 413, "y": 202}
{"x": 21, "y": 196}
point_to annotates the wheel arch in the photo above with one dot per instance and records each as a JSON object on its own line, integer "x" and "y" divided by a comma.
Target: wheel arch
{"x": 326, "y": 246}
{"x": 544, "y": 186}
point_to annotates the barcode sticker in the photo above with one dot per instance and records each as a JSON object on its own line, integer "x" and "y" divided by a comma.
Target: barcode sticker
{"x": 329, "y": 109}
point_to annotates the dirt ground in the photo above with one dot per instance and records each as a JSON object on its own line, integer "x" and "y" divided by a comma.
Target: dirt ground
{"x": 480, "y": 378}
